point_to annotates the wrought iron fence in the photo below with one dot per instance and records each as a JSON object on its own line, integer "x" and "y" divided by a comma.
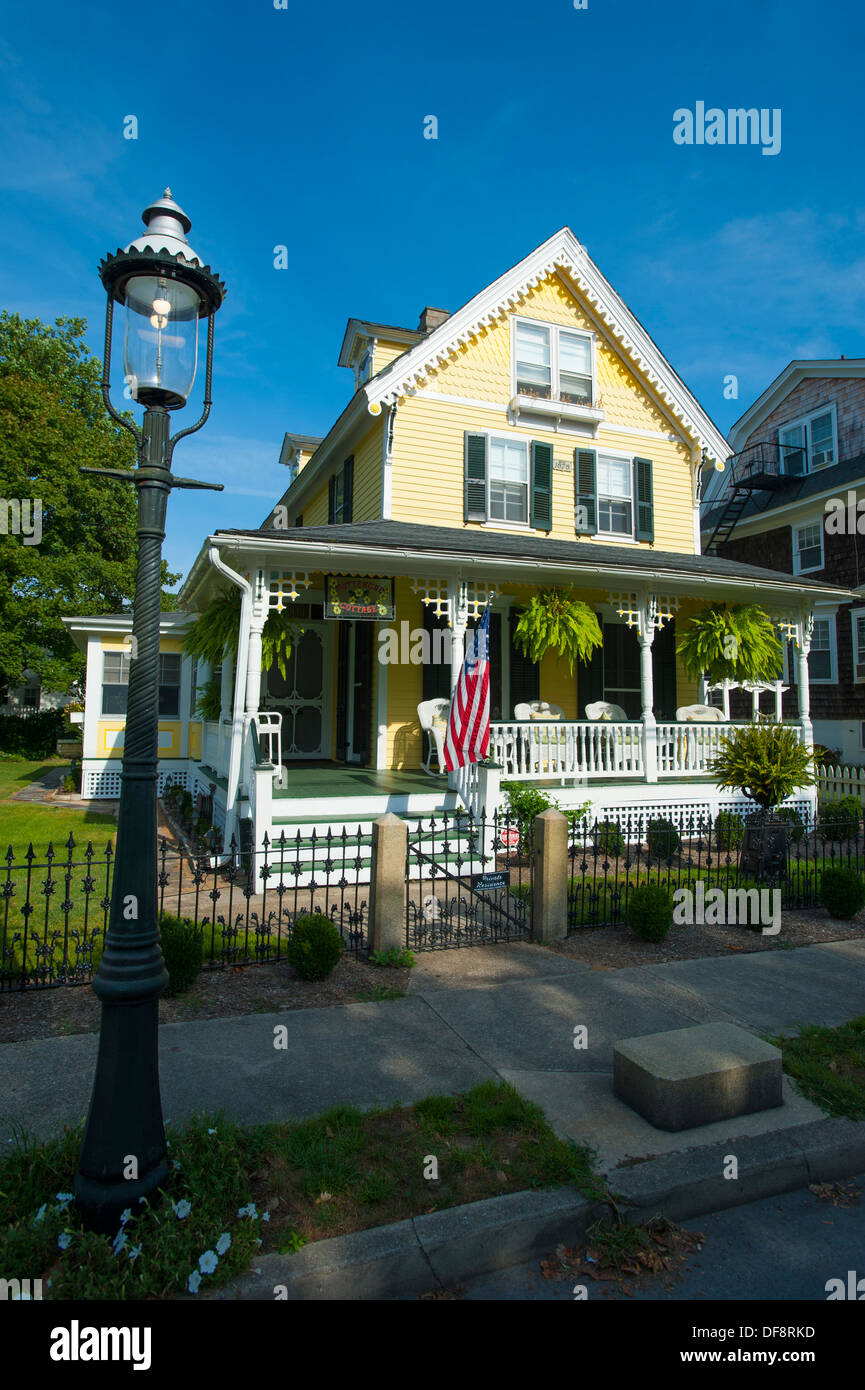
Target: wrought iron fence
{"x": 54, "y": 908}
{"x": 609, "y": 859}
{"x": 468, "y": 881}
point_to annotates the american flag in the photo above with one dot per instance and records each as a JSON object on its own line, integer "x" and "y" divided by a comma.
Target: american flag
{"x": 468, "y": 738}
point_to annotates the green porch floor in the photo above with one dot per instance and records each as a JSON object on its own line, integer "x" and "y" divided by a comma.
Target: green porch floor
{"x": 334, "y": 779}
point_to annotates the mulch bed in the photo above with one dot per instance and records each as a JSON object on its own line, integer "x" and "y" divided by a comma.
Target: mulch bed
{"x": 615, "y": 948}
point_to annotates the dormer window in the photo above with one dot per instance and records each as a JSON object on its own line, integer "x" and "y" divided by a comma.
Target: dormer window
{"x": 553, "y": 363}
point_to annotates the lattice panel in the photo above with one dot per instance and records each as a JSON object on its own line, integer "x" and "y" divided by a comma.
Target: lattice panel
{"x": 101, "y": 785}
{"x": 433, "y": 591}
{"x": 476, "y": 597}
{"x": 627, "y": 606}
{"x": 285, "y": 587}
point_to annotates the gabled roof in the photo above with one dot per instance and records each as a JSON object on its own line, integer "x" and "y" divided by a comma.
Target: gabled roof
{"x": 561, "y": 253}
{"x": 364, "y": 328}
{"x": 796, "y": 371}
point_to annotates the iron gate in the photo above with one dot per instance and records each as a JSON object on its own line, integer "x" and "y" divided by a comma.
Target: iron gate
{"x": 468, "y": 882}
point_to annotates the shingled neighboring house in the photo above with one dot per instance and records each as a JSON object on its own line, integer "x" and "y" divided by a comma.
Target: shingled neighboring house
{"x": 788, "y": 501}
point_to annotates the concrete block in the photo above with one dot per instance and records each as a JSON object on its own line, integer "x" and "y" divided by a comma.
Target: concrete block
{"x": 696, "y": 1076}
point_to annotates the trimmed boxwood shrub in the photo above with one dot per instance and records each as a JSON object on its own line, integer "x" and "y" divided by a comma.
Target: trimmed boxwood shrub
{"x": 315, "y": 946}
{"x": 182, "y": 950}
{"x": 608, "y": 839}
{"x": 663, "y": 838}
{"x": 729, "y": 830}
{"x": 839, "y": 820}
{"x": 649, "y": 912}
{"x": 842, "y": 892}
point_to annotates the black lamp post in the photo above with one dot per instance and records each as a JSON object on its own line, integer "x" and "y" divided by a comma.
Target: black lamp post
{"x": 166, "y": 289}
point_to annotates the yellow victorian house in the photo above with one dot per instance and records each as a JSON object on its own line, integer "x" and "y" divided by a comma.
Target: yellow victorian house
{"x": 535, "y": 438}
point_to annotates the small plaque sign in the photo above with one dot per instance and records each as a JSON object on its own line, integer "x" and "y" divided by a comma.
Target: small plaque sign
{"x": 492, "y": 882}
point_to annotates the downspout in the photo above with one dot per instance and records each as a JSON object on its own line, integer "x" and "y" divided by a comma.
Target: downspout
{"x": 237, "y": 722}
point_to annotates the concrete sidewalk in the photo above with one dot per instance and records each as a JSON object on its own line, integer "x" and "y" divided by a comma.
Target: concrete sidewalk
{"x": 496, "y": 1012}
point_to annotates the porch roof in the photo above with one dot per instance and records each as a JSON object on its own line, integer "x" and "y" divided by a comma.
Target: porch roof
{"x": 398, "y": 547}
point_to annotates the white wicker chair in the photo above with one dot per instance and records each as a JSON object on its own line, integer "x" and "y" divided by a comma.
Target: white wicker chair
{"x": 538, "y": 709}
{"x": 428, "y": 712}
{"x": 699, "y": 714}
{"x": 605, "y": 709}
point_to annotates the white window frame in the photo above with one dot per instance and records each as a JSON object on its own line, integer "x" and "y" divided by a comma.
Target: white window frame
{"x": 856, "y": 613}
{"x": 554, "y": 330}
{"x": 805, "y": 420}
{"x": 798, "y": 568}
{"x": 523, "y": 443}
{"x": 616, "y": 537}
{"x": 832, "y": 677}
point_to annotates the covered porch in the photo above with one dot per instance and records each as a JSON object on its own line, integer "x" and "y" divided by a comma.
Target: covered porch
{"x": 339, "y": 730}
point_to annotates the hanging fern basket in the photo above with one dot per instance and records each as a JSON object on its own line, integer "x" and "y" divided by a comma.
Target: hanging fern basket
{"x": 735, "y": 642}
{"x": 555, "y": 620}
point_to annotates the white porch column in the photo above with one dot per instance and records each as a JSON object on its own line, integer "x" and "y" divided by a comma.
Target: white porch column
{"x": 253, "y": 665}
{"x": 779, "y": 702}
{"x": 226, "y": 699}
{"x": 646, "y": 636}
{"x": 725, "y": 699}
{"x": 755, "y": 705}
{"x": 802, "y": 639}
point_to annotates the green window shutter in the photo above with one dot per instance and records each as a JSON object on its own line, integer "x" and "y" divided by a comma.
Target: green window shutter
{"x": 590, "y": 678}
{"x": 348, "y": 488}
{"x": 331, "y": 501}
{"x": 664, "y": 671}
{"x": 436, "y": 675}
{"x": 585, "y": 492}
{"x": 643, "y": 501}
{"x": 542, "y": 486}
{"x": 475, "y": 477}
{"x": 525, "y": 675}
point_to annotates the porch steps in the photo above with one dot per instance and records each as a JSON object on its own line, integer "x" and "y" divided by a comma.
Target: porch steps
{"x": 308, "y": 854}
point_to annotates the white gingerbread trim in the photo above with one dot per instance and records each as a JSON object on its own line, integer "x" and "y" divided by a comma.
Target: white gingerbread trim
{"x": 560, "y": 253}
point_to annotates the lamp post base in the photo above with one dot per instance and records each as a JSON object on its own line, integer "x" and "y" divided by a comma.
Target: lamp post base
{"x": 114, "y": 1175}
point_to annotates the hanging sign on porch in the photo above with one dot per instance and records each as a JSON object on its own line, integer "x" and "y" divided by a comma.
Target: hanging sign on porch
{"x": 359, "y": 599}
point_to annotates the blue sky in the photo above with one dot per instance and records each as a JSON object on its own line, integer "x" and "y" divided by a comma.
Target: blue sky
{"x": 303, "y": 127}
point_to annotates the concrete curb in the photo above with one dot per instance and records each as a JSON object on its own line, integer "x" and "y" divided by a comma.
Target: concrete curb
{"x": 460, "y": 1243}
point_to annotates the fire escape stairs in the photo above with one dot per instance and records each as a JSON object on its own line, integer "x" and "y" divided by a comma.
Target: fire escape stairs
{"x": 726, "y": 523}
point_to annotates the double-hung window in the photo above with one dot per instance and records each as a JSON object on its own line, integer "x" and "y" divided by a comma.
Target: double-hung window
{"x": 615, "y": 503}
{"x": 857, "y": 618}
{"x": 807, "y": 548}
{"x": 115, "y": 682}
{"x": 553, "y": 363}
{"x": 509, "y": 480}
{"x": 169, "y": 685}
{"x": 809, "y": 443}
{"x": 821, "y": 660}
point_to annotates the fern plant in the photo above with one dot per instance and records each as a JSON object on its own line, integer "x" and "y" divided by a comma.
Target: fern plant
{"x": 217, "y": 629}
{"x": 556, "y": 620}
{"x": 208, "y": 703}
{"x": 731, "y": 642}
{"x": 765, "y": 761}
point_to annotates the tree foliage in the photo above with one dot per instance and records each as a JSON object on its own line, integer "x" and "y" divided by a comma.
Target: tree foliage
{"x": 52, "y": 421}
{"x": 734, "y": 642}
{"x": 555, "y": 619}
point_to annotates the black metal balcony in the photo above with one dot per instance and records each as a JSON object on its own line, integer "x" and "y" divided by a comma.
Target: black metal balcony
{"x": 766, "y": 465}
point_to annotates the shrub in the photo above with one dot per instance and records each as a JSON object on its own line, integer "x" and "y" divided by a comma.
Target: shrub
{"x": 609, "y": 839}
{"x": 839, "y": 820}
{"x": 842, "y": 892}
{"x": 69, "y": 783}
{"x": 649, "y": 912}
{"x": 794, "y": 822}
{"x": 392, "y": 958}
{"x": 182, "y": 950}
{"x": 765, "y": 761}
{"x": 315, "y": 946}
{"x": 524, "y": 802}
{"x": 824, "y": 755}
{"x": 35, "y": 737}
{"x": 729, "y": 830}
{"x": 663, "y": 838}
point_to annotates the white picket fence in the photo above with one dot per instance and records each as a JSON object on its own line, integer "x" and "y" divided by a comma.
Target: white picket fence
{"x": 835, "y": 782}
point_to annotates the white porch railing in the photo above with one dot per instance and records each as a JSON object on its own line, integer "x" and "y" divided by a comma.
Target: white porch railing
{"x": 210, "y": 744}
{"x": 685, "y": 750}
{"x": 268, "y": 724}
{"x": 544, "y": 749}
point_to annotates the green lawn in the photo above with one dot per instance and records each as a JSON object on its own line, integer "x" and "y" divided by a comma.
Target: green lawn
{"x": 23, "y": 823}
{"x": 233, "y": 1189}
{"x": 828, "y": 1066}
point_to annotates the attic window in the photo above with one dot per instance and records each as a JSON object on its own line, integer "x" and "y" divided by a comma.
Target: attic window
{"x": 553, "y": 363}
{"x": 364, "y": 367}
